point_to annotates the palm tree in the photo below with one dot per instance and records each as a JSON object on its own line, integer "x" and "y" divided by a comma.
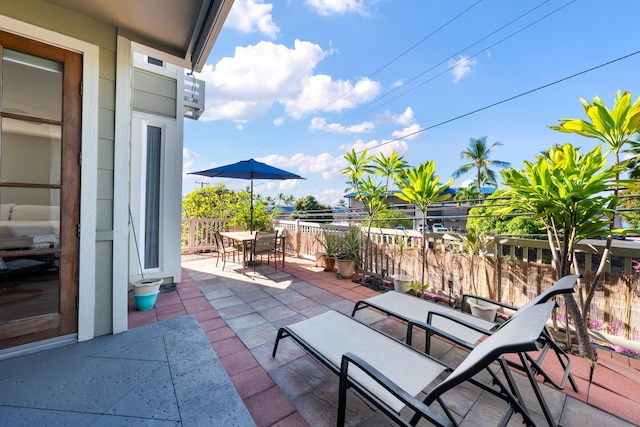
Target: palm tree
{"x": 389, "y": 167}
{"x": 478, "y": 155}
{"x": 469, "y": 194}
{"x": 420, "y": 185}
{"x": 359, "y": 165}
{"x": 633, "y": 164}
{"x": 371, "y": 195}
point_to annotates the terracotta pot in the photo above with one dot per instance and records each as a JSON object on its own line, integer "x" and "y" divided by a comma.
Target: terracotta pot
{"x": 329, "y": 264}
{"x": 345, "y": 268}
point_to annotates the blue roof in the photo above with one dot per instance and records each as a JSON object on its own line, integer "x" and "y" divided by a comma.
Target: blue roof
{"x": 450, "y": 191}
{"x": 285, "y": 209}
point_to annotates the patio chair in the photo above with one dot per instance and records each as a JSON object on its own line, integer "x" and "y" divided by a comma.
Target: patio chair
{"x": 223, "y": 250}
{"x": 363, "y": 357}
{"x": 280, "y": 239}
{"x": 264, "y": 244}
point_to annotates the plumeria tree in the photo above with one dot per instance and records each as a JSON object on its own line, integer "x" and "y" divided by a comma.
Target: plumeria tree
{"x": 615, "y": 127}
{"x": 571, "y": 194}
{"x": 421, "y": 186}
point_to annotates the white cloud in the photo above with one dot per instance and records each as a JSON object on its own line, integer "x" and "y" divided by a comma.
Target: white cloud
{"x": 375, "y": 147}
{"x": 321, "y": 92}
{"x": 404, "y": 118}
{"x": 330, "y": 196}
{"x": 330, "y": 7}
{"x": 248, "y": 84}
{"x": 461, "y": 67}
{"x": 324, "y": 164}
{"x": 188, "y": 158}
{"x": 288, "y": 184}
{"x": 278, "y": 121}
{"x": 409, "y": 131}
{"x": 467, "y": 182}
{"x": 249, "y": 16}
{"x": 318, "y": 123}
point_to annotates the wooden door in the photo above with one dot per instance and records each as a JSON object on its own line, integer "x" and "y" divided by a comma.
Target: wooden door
{"x": 40, "y": 128}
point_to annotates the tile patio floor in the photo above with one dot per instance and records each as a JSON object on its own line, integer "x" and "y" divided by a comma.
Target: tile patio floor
{"x": 240, "y": 315}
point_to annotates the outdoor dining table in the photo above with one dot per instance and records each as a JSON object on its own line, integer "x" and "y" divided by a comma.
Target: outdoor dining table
{"x": 245, "y": 238}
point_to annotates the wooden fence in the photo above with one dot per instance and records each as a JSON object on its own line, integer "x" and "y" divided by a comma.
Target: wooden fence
{"x": 514, "y": 270}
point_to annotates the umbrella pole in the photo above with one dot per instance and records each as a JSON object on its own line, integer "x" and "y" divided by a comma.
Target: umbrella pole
{"x": 251, "y": 207}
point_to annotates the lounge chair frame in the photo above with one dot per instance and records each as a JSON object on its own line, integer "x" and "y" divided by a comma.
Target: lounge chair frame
{"x": 521, "y": 337}
{"x": 529, "y": 365}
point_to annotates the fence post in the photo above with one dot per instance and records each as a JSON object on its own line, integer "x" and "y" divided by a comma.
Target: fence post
{"x": 297, "y": 234}
{"x": 192, "y": 235}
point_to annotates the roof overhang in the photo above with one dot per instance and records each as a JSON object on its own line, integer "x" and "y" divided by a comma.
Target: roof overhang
{"x": 181, "y": 32}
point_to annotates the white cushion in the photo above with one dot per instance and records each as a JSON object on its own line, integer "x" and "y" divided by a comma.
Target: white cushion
{"x": 5, "y": 211}
{"x": 35, "y": 213}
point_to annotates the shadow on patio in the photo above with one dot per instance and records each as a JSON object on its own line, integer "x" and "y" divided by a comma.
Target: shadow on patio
{"x": 240, "y": 315}
{"x": 167, "y": 373}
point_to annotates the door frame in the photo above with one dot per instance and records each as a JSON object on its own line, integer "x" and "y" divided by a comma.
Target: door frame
{"x": 89, "y": 166}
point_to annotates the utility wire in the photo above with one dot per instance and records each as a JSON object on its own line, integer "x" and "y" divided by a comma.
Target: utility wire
{"x": 401, "y": 55}
{"x": 452, "y": 56}
{"x": 507, "y": 99}
{"x": 300, "y": 122}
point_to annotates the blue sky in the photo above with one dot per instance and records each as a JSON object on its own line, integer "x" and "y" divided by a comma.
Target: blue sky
{"x": 297, "y": 83}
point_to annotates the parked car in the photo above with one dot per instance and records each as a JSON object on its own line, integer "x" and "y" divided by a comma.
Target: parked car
{"x": 439, "y": 228}
{"x": 420, "y": 228}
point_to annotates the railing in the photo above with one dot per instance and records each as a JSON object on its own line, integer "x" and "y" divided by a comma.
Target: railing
{"x": 198, "y": 234}
{"x": 514, "y": 270}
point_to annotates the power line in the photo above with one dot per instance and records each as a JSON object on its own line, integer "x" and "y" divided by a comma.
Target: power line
{"x": 403, "y": 53}
{"x": 508, "y": 99}
{"x": 454, "y": 55}
{"x": 300, "y": 122}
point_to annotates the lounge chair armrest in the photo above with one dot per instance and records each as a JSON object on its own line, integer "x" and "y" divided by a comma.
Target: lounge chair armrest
{"x": 388, "y": 385}
{"x": 489, "y": 300}
{"x": 432, "y": 330}
{"x": 459, "y": 321}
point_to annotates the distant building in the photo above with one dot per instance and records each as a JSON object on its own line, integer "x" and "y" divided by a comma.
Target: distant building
{"x": 447, "y": 213}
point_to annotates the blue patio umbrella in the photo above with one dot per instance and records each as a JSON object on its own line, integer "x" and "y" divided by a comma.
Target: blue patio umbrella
{"x": 248, "y": 169}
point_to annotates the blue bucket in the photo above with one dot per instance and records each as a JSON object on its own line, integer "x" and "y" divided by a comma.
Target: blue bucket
{"x": 145, "y": 302}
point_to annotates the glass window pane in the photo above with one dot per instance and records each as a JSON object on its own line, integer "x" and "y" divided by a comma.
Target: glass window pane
{"x": 29, "y": 252}
{"x": 31, "y": 86}
{"x": 30, "y": 152}
{"x": 152, "y": 198}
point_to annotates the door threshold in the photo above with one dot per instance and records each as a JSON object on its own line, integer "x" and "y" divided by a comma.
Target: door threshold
{"x": 34, "y": 347}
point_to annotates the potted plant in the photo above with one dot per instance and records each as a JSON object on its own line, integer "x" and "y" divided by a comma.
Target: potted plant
{"x": 330, "y": 244}
{"x": 348, "y": 255}
{"x": 483, "y": 309}
{"x": 401, "y": 282}
{"x": 145, "y": 292}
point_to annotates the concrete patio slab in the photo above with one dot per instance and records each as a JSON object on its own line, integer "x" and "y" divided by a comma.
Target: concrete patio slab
{"x": 160, "y": 374}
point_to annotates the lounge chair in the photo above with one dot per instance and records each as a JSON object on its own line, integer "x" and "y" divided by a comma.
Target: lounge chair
{"x": 361, "y": 356}
{"x": 468, "y": 329}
